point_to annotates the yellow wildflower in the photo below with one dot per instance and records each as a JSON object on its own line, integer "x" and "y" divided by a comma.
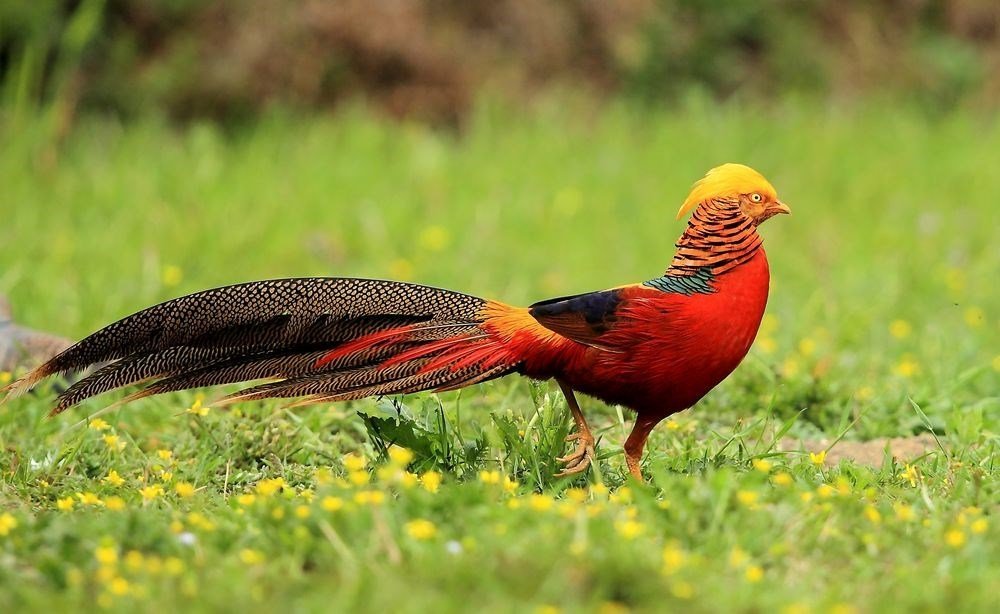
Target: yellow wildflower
{"x": 790, "y": 367}
{"x": 165, "y": 454}
{"x": 763, "y": 465}
{"x": 910, "y": 474}
{"x": 401, "y": 457}
{"x": 302, "y": 511}
{"x": 747, "y": 498}
{"x": 65, "y": 504}
{"x": 7, "y": 523}
{"x": 738, "y": 557}
{"x": 766, "y": 345}
{"x": 184, "y": 490}
{"x": 278, "y": 513}
{"x": 113, "y": 478}
{"x": 134, "y": 560}
{"x": 354, "y": 462}
{"x": 197, "y": 409}
{"x": 358, "y": 478}
{"x": 171, "y": 275}
{"x": 795, "y": 608}
{"x": 173, "y": 566}
{"x": 576, "y": 495}
{"x": 621, "y": 496}
{"x": 509, "y": 485}
{"x": 754, "y": 573}
{"x": 369, "y": 497}
{"x": 864, "y": 393}
{"x": 817, "y": 458}
{"x": 540, "y": 502}
{"x": 489, "y": 477}
{"x": 873, "y": 515}
{"x": 906, "y": 367}
{"x": 825, "y": 491}
{"x": 807, "y": 346}
{"x": 407, "y": 479}
{"x": 682, "y": 590}
{"x": 979, "y": 526}
{"x": 782, "y": 479}
{"x": 99, "y": 425}
{"x": 974, "y": 317}
{"x": 434, "y": 238}
{"x": 150, "y": 492}
{"x": 955, "y": 538}
{"x": 115, "y": 504}
{"x": 613, "y": 607}
{"x": 198, "y": 520}
{"x": 844, "y": 487}
{"x": 900, "y": 329}
{"x": 250, "y": 556}
{"x": 421, "y": 529}
{"x": 903, "y": 512}
{"x": 332, "y": 504}
{"x": 118, "y": 586}
{"x": 105, "y": 573}
{"x": 113, "y": 442}
{"x": 166, "y": 476}
{"x": 89, "y": 498}
{"x": 246, "y": 499}
{"x": 267, "y": 488}
{"x": 629, "y": 529}
{"x": 323, "y": 476}
{"x": 5, "y": 377}
{"x": 996, "y": 362}
{"x": 431, "y": 480}
{"x": 674, "y": 558}
{"x": 106, "y": 555}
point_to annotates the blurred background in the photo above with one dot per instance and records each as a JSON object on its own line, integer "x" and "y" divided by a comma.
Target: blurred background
{"x": 431, "y": 59}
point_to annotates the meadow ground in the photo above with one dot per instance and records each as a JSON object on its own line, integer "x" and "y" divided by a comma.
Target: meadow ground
{"x": 883, "y": 322}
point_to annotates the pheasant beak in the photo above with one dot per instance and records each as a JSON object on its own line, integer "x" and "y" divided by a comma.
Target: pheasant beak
{"x": 776, "y": 208}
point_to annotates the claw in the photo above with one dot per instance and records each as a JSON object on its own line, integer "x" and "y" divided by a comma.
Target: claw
{"x": 574, "y": 456}
{"x": 580, "y": 459}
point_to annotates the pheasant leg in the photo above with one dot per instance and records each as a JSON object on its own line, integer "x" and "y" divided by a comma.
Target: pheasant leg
{"x": 581, "y": 458}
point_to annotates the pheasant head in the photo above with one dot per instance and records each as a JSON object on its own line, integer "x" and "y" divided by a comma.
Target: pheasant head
{"x": 739, "y": 185}
{"x": 729, "y": 202}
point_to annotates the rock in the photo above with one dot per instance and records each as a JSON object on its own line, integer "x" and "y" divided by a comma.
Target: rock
{"x": 23, "y": 348}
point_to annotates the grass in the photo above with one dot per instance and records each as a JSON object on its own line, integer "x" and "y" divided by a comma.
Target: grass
{"x": 882, "y": 322}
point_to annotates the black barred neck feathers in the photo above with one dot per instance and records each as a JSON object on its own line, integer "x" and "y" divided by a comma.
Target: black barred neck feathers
{"x": 719, "y": 236}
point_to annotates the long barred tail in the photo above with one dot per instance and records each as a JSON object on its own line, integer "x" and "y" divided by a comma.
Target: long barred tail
{"x": 324, "y": 339}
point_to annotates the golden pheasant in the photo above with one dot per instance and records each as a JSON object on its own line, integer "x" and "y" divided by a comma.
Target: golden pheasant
{"x": 656, "y": 347}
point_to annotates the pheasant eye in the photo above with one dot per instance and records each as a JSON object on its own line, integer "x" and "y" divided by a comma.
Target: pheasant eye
{"x": 755, "y": 197}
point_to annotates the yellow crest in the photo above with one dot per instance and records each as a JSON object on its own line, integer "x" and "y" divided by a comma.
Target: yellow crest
{"x": 727, "y": 180}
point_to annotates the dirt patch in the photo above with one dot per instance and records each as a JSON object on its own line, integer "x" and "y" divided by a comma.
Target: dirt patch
{"x": 872, "y": 452}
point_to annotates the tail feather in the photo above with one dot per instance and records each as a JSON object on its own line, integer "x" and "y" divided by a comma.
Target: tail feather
{"x": 320, "y": 338}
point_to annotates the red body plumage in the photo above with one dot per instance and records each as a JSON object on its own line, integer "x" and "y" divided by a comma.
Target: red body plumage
{"x": 668, "y": 351}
